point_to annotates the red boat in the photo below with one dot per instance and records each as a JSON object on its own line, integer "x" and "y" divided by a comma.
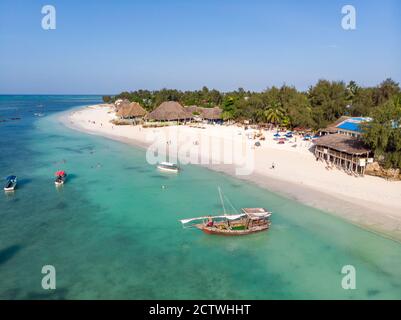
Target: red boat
{"x": 61, "y": 176}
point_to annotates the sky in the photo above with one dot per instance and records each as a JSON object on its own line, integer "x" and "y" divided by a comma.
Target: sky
{"x": 105, "y": 47}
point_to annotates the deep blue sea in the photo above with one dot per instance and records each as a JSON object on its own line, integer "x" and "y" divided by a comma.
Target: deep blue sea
{"x": 112, "y": 231}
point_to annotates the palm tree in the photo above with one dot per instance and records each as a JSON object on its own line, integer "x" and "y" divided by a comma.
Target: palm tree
{"x": 275, "y": 113}
{"x": 352, "y": 91}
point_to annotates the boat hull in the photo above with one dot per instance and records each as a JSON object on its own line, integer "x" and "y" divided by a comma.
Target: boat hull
{"x": 10, "y": 186}
{"x": 167, "y": 169}
{"x": 60, "y": 181}
{"x": 228, "y": 232}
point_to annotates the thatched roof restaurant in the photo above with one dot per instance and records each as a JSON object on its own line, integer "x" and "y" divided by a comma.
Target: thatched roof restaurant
{"x": 120, "y": 102}
{"x": 169, "y": 111}
{"x": 193, "y": 109}
{"x": 346, "y": 152}
{"x": 211, "y": 114}
{"x": 131, "y": 110}
{"x": 343, "y": 143}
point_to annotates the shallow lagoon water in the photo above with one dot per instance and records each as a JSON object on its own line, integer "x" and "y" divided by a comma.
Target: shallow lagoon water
{"x": 112, "y": 231}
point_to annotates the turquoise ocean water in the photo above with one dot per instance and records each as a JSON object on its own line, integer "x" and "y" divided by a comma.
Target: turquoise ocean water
{"x": 112, "y": 231}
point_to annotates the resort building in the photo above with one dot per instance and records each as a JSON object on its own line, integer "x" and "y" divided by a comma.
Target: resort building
{"x": 119, "y": 102}
{"x": 211, "y": 115}
{"x": 350, "y": 126}
{"x": 169, "y": 111}
{"x": 133, "y": 111}
{"x": 344, "y": 152}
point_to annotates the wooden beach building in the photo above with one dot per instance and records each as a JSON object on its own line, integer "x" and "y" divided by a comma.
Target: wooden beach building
{"x": 120, "y": 102}
{"x": 169, "y": 111}
{"x": 344, "y": 152}
{"x": 211, "y": 115}
{"x": 133, "y": 111}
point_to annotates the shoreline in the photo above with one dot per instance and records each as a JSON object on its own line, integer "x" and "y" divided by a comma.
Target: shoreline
{"x": 375, "y": 217}
{"x": 342, "y": 208}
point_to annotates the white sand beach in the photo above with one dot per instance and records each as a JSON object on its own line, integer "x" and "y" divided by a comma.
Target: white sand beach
{"x": 369, "y": 202}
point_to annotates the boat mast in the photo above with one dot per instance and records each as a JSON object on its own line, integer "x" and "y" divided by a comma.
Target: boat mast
{"x": 168, "y": 148}
{"x": 232, "y": 206}
{"x": 222, "y": 201}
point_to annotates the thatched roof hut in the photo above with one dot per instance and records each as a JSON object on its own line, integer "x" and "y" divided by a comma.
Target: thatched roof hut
{"x": 193, "y": 109}
{"x": 169, "y": 111}
{"x": 343, "y": 143}
{"x": 131, "y": 110}
{"x": 211, "y": 113}
{"x": 206, "y": 113}
{"x": 120, "y": 102}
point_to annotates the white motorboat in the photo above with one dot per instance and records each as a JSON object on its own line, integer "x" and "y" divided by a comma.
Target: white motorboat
{"x": 11, "y": 183}
{"x": 168, "y": 167}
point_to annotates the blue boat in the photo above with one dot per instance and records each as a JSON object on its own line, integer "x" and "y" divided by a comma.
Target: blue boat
{"x": 11, "y": 183}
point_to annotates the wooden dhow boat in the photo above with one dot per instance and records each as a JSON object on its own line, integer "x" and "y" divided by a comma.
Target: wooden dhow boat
{"x": 249, "y": 220}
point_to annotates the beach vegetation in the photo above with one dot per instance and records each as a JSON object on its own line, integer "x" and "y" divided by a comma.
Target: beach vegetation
{"x": 315, "y": 108}
{"x": 329, "y": 101}
{"x": 275, "y": 114}
{"x": 107, "y": 99}
{"x": 383, "y": 133}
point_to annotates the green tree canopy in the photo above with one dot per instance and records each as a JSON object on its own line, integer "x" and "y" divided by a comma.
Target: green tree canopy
{"x": 383, "y": 133}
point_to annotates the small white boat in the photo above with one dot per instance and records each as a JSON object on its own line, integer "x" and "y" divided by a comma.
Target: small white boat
{"x": 168, "y": 167}
{"x": 11, "y": 183}
{"x": 61, "y": 176}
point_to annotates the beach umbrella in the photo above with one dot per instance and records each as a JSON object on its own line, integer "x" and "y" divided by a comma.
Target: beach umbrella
{"x": 277, "y": 135}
